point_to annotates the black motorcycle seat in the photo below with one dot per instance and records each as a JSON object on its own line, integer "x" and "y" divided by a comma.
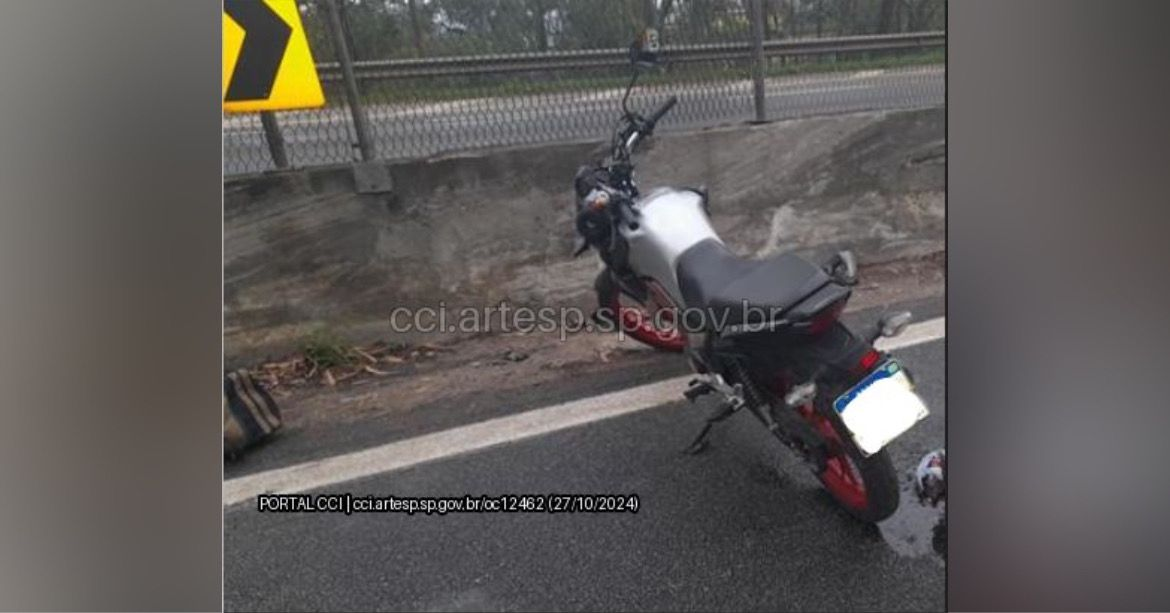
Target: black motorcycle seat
{"x": 713, "y": 278}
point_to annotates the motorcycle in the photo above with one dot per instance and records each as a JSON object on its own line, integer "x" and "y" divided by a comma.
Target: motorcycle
{"x": 760, "y": 334}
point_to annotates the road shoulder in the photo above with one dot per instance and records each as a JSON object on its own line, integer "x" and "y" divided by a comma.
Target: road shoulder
{"x": 493, "y": 376}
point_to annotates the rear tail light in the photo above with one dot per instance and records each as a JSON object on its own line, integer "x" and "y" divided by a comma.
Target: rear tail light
{"x": 867, "y": 361}
{"x": 821, "y": 321}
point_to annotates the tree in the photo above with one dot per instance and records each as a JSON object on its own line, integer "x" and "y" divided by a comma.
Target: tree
{"x": 538, "y": 10}
{"x": 847, "y": 17}
{"x": 921, "y": 15}
{"x": 597, "y": 24}
{"x": 415, "y": 28}
{"x": 887, "y": 20}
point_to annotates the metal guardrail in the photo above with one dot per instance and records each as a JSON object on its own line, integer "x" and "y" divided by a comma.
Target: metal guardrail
{"x": 405, "y": 108}
{"x": 601, "y": 58}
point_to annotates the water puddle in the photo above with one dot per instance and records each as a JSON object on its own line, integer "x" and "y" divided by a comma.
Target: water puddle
{"x": 916, "y": 529}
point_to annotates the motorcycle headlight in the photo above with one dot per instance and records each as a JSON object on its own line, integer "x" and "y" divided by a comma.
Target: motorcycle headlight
{"x": 596, "y": 200}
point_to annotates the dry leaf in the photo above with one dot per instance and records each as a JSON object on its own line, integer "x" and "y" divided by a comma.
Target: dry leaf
{"x": 365, "y": 355}
{"x": 348, "y": 375}
{"x": 376, "y": 349}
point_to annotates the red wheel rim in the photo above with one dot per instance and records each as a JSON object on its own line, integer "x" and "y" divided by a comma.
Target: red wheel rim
{"x": 638, "y": 322}
{"x": 841, "y": 475}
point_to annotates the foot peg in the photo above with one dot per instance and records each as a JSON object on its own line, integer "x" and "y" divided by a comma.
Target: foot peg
{"x": 697, "y": 388}
{"x": 732, "y": 402}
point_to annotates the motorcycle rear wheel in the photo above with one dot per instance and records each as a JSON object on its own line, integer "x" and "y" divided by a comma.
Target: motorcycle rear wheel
{"x": 866, "y": 487}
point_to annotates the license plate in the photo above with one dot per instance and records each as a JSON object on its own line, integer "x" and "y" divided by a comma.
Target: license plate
{"x": 880, "y": 408}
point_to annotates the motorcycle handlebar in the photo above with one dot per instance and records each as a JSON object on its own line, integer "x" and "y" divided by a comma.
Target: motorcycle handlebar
{"x": 647, "y": 126}
{"x": 662, "y": 110}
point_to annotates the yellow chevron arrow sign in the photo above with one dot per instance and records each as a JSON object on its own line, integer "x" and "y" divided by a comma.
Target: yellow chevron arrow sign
{"x": 267, "y": 65}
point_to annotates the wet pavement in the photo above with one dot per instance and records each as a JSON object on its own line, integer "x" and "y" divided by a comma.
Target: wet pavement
{"x": 743, "y": 526}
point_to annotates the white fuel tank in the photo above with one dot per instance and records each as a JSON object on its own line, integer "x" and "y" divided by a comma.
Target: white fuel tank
{"x": 671, "y": 221}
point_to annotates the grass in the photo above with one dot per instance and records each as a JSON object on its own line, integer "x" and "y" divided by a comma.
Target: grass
{"x": 323, "y": 349}
{"x": 463, "y": 88}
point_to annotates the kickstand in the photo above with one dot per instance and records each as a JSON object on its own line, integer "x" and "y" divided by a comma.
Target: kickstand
{"x": 721, "y": 412}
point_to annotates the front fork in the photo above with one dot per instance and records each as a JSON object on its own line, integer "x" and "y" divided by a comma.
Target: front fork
{"x": 606, "y": 284}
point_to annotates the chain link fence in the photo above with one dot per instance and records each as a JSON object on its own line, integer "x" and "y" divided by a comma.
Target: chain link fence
{"x": 437, "y": 76}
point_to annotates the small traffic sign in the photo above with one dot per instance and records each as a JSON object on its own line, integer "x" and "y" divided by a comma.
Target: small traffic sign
{"x": 267, "y": 65}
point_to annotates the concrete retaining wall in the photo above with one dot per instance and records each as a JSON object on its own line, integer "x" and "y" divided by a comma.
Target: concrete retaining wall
{"x": 302, "y": 250}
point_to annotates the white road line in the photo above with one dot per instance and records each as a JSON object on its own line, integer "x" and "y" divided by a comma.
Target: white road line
{"x": 474, "y": 437}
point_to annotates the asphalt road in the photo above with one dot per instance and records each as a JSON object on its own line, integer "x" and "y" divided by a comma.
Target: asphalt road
{"x": 740, "y": 527}
{"x": 416, "y": 130}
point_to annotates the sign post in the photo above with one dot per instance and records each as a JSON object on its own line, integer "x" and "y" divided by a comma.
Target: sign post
{"x": 275, "y": 139}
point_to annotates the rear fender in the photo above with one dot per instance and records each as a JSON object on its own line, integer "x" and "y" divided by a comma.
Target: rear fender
{"x": 784, "y": 359}
{"x": 837, "y": 352}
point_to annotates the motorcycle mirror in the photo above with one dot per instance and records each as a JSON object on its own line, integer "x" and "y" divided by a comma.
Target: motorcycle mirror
{"x": 644, "y": 49}
{"x": 894, "y": 323}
